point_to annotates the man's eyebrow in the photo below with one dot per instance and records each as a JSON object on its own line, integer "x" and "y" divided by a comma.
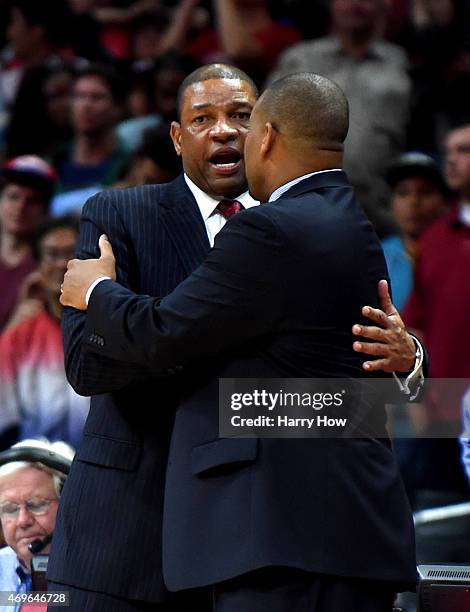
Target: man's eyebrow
{"x": 200, "y": 105}
{"x": 232, "y": 104}
{"x": 242, "y": 103}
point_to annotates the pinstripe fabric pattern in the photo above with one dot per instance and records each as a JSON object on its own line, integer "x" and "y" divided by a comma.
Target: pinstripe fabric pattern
{"x": 158, "y": 237}
{"x": 108, "y": 532}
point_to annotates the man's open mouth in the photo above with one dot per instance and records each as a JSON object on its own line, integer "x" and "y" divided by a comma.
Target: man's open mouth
{"x": 227, "y": 161}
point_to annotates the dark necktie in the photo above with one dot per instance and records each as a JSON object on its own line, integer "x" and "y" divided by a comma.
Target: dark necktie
{"x": 228, "y": 208}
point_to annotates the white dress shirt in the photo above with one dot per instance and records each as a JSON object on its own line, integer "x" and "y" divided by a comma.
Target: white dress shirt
{"x": 283, "y": 188}
{"x": 213, "y": 219}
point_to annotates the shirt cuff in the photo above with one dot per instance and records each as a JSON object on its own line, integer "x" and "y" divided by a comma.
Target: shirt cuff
{"x": 93, "y": 285}
{"x": 413, "y": 383}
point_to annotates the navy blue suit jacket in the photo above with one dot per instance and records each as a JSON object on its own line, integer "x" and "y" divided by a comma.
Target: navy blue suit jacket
{"x": 276, "y": 297}
{"x": 109, "y": 527}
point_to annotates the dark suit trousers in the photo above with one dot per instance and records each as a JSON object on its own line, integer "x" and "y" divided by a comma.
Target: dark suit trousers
{"x": 81, "y": 600}
{"x": 291, "y": 590}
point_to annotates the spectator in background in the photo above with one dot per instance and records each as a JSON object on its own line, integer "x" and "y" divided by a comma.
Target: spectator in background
{"x": 26, "y": 186}
{"x": 155, "y": 161}
{"x": 95, "y": 156}
{"x": 296, "y": 10}
{"x": 148, "y": 38}
{"x": 244, "y": 33}
{"x": 250, "y": 36}
{"x": 38, "y": 39}
{"x": 438, "y": 43}
{"x": 373, "y": 74}
{"x": 83, "y": 20}
{"x": 45, "y": 126}
{"x": 419, "y": 196}
{"x": 439, "y": 311}
{"x": 34, "y": 393}
{"x": 155, "y": 91}
{"x": 29, "y": 496}
{"x": 57, "y": 95}
{"x": 116, "y": 19}
{"x": 439, "y": 306}
{"x": 170, "y": 71}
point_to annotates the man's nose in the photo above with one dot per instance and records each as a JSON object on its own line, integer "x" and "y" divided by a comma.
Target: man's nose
{"x": 25, "y": 518}
{"x": 413, "y": 201}
{"x": 450, "y": 157}
{"x": 223, "y": 129}
{"x": 21, "y": 204}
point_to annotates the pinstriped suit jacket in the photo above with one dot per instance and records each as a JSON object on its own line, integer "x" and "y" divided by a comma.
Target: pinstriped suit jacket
{"x": 108, "y": 531}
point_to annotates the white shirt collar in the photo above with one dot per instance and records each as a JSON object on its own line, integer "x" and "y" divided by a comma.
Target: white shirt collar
{"x": 207, "y": 204}
{"x": 283, "y": 188}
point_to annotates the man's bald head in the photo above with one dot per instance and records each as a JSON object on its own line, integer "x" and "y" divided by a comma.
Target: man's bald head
{"x": 297, "y": 127}
{"x": 309, "y": 109}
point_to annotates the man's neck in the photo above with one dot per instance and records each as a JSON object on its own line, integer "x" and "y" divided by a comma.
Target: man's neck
{"x": 355, "y": 44}
{"x": 410, "y": 245}
{"x": 92, "y": 150}
{"x": 464, "y": 196}
{"x": 276, "y": 193}
{"x": 13, "y": 249}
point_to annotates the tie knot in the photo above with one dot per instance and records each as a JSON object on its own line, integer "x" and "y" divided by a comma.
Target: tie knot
{"x": 228, "y": 208}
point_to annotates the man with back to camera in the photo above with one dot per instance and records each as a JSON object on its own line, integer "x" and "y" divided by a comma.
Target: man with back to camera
{"x": 243, "y": 515}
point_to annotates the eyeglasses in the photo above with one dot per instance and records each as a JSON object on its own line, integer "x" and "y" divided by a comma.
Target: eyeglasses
{"x": 36, "y": 506}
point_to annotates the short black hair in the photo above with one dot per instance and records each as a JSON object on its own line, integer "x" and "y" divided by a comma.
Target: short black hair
{"x": 212, "y": 71}
{"x": 44, "y": 188}
{"x": 51, "y": 224}
{"x": 116, "y": 84}
{"x": 157, "y": 145}
{"x": 308, "y": 106}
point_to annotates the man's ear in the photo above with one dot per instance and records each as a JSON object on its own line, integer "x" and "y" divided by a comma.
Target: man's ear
{"x": 269, "y": 137}
{"x": 175, "y": 133}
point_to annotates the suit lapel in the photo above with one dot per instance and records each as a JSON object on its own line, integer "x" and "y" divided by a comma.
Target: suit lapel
{"x": 184, "y": 225}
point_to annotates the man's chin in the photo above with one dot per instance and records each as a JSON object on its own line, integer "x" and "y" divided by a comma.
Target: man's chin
{"x": 229, "y": 186}
{"x": 22, "y": 550}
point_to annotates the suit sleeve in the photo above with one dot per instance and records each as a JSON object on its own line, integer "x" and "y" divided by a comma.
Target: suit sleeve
{"x": 89, "y": 373}
{"x": 233, "y": 297}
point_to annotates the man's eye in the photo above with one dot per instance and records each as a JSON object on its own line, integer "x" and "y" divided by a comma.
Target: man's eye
{"x": 34, "y": 506}
{"x": 242, "y": 116}
{"x": 200, "y": 119}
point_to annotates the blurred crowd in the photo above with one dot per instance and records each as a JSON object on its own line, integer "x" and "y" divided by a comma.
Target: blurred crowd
{"x": 87, "y": 93}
